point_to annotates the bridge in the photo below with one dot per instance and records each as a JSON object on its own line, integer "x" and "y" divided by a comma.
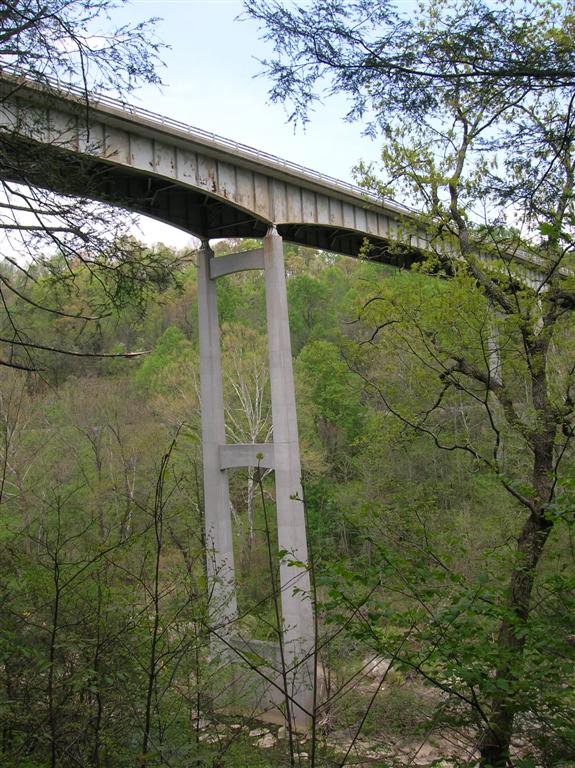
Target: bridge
{"x": 195, "y": 180}
{"x": 212, "y": 187}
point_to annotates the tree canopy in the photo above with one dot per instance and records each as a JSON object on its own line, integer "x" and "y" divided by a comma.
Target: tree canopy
{"x": 68, "y": 42}
{"x": 77, "y": 41}
{"x": 391, "y": 59}
{"x": 474, "y": 105}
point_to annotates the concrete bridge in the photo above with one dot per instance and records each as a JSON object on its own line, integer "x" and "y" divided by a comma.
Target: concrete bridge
{"x": 197, "y": 181}
{"x": 215, "y": 188}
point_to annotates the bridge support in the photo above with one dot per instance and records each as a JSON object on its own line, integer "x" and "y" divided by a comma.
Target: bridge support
{"x": 294, "y": 579}
{"x": 295, "y": 656}
{"x": 218, "y": 523}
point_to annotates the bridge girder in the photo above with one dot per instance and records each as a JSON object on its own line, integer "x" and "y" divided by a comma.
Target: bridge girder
{"x": 187, "y": 180}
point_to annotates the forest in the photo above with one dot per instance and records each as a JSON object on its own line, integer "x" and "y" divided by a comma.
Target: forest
{"x": 105, "y": 628}
{"x": 436, "y": 412}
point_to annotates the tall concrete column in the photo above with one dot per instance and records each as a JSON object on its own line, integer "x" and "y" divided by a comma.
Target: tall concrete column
{"x": 294, "y": 580}
{"x": 218, "y": 523}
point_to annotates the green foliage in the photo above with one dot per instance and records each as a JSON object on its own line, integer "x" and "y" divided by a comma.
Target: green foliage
{"x": 172, "y": 347}
{"x": 308, "y": 303}
{"x": 335, "y": 393}
{"x": 412, "y": 547}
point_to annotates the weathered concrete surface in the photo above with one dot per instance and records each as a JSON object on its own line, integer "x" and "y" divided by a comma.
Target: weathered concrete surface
{"x": 292, "y": 674}
{"x": 205, "y": 184}
{"x": 247, "y": 455}
{"x": 218, "y": 523}
{"x": 294, "y": 575}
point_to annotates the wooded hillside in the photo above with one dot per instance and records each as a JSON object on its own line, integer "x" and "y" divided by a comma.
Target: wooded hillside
{"x": 413, "y": 520}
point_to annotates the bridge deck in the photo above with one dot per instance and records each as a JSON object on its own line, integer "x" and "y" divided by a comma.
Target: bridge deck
{"x": 198, "y": 181}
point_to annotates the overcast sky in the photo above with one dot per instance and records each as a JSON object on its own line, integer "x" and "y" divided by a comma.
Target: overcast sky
{"x": 210, "y": 82}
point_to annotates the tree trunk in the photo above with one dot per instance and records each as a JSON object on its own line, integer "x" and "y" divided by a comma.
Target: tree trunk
{"x": 495, "y": 742}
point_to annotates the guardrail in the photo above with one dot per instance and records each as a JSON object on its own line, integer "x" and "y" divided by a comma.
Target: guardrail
{"x": 96, "y": 99}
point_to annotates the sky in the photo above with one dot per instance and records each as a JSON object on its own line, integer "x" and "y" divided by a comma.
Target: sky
{"x": 211, "y": 82}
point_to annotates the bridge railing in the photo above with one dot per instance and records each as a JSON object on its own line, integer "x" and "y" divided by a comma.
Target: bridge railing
{"x": 97, "y": 99}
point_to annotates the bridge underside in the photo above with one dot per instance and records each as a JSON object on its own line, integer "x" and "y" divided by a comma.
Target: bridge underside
{"x": 195, "y": 211}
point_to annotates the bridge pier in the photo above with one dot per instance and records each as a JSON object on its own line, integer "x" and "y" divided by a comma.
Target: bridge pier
{"x": 218, "y": 523}
{"x": 296, "y": 641}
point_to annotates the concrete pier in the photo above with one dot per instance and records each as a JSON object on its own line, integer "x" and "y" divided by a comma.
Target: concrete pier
{"x": 294, "y": 579}
{"x": 295, "y": 645}
{"x": 218, "y": 522}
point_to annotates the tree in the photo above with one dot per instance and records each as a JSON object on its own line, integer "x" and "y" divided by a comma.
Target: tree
{"x": 247, "y": 405}
{"x": 76, "y": 41}
{"x": 474, "y": 102}
{"x": 384, "y": 61}
{"x": 68, "y": 237}
{"x": 339, "y": 414}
